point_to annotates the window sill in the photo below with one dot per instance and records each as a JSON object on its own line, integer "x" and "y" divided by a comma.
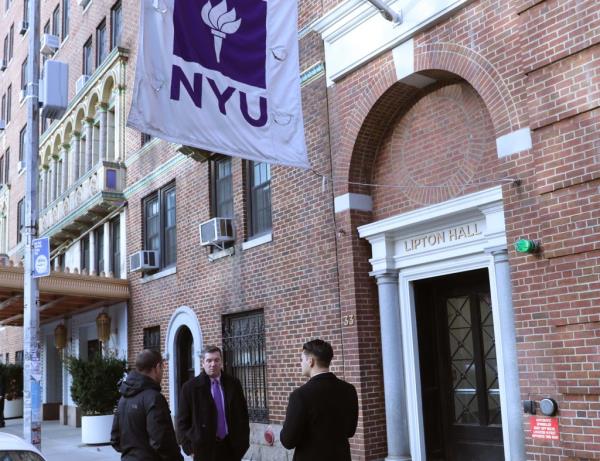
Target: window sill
{"x": 221, "y": 254}
{"x": 159, "y": 275}
{"x": 257, "y": 241}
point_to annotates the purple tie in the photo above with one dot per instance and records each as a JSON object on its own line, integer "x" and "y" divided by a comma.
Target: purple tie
{"x": 218, "y": 397}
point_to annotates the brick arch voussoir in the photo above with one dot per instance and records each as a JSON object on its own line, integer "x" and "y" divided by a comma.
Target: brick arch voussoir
{"x": 365, "y": 128}
{"x": 480, "y": 74}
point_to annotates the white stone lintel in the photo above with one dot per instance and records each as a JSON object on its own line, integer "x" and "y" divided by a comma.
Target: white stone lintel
{"x": 514, "y": 142}
{"x": 351, "y": 201}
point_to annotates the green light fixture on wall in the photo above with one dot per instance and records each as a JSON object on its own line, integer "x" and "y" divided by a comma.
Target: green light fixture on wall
{"x": 526, "y": 246}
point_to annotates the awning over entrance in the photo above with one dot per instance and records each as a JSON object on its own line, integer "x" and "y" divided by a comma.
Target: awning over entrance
{"x": 61, "y": 293}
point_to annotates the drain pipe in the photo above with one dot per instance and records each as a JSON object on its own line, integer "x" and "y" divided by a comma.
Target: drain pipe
{"x": 387, "y": 12}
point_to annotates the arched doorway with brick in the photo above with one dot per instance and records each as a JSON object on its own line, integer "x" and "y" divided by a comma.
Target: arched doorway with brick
{"x": 183, "y": 347}
{"x": 425, "y": 143}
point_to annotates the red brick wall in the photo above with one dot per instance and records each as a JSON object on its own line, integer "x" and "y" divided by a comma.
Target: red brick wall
{"x": 11, "y": 341}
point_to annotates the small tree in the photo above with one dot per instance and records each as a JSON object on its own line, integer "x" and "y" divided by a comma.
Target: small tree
{"x": 12, "y": 373}
{"x": 95, "y": 383}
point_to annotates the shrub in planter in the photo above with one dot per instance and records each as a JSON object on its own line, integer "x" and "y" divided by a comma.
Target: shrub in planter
{"x": 13, "y": 380}
{"x": 95, "y": 383}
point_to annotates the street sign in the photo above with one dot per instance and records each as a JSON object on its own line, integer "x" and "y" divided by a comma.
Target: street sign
{"x": 41, "y": 257}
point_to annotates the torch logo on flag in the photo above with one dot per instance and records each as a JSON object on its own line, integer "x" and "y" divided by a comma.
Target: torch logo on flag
{"x": 221, "y": 23}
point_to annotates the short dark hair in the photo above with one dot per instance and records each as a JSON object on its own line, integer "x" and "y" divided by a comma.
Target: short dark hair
{"x": 210, "y": 349}
{"x": 147, "y": 360}
{"x": 320, "y": 350}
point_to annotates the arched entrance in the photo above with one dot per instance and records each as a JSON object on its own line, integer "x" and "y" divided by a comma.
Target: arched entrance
{"x": 183, "y": 345}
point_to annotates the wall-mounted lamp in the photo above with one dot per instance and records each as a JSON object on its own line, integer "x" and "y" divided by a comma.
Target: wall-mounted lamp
{"x": 386, "y": 11}
{"x": 60, "y": 336}
{"x": 103, "y": 326}
{"x": 526, "y": 246}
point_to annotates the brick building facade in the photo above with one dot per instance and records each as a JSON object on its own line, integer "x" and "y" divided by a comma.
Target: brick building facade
{"x": 435, "y": 144}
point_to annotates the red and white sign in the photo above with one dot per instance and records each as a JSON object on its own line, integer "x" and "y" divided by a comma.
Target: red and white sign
{"x": 544, "y": 428}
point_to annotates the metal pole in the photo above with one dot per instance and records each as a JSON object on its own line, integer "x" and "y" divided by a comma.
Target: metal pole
{"x": 32, "y": 370}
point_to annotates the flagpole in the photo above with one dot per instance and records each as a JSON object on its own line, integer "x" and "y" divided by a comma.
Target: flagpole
{"x": 32, "y": 370}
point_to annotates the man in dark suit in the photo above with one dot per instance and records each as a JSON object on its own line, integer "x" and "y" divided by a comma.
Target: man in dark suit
{"x": 2, "y": 395}
{"x": 212, "y": 421}
{"x": 323, "y": 413}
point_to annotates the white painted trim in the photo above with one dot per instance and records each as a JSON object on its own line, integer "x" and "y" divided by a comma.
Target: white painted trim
{"x": 411, "y": 340}
{"x": 432, "y": 212}
{"x": 159, "y": 275}
{"x": 183, "y": 316}
{"x": 257, "y": 241}
{"x": 514, "y": 142}
{"x": 385, "y": 237}
{"x": 345, "y": 30}
{"x": 351, "y": 201}
{"x": 404, "y": 62}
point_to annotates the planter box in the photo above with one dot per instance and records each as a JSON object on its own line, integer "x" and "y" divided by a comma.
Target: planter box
{"x": 96, "y": 429}
{"x": 13, "y": 408}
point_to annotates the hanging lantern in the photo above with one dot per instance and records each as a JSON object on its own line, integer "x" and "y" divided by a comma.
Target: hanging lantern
{"x": 103, "y": 326}
{"x": 60, "y": 336}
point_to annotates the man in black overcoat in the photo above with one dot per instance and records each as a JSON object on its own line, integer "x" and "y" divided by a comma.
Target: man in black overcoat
{"x": 2, "y": 396}
{"x": 321, "y": 414}
{"x": 212, "y": 419}
{"x": 142, "y": 427}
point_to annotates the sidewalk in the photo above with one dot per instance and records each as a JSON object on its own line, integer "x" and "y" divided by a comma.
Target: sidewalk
{"x": 64, "y": 442}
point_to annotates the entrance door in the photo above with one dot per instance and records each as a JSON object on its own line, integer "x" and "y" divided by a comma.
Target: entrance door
{"x": 185, "y": 357}
{"x": 459, "y": 376}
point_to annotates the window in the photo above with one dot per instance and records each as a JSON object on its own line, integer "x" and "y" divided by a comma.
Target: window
{"x": 7, "y": 358}
{"x": 99, "y": 249}
{"x": 19, "y": 357}
{"x": 87, "y": 57}
{"x": 152, "y": 338}
{"x": 84, "y": 253}
{"x": 160, "y": 232}
{"x": 5, "y": 50}
{"x": 100, "y": 43}
{"x": 222, "y": 188}
{"x": 6, "y": 166}
{"x": 244, "y": 357}
{"x": 26, "y": 11}
{"x": 24, "y": 75}
{"x": 3, "y": 112}
{"x": 56, "y": 21}
{"x": 22, "y": 143}
{"x": 145, "y": 139}
{"x": 8, "y": 103}
{"x": 20, "y": 219}
{"x": 65, "y": 19}
{"x": 259, "y": 198}
{"x": 11, "y": 41}
{"x": 116, "y": 25}
{"x": 115, "y": 243}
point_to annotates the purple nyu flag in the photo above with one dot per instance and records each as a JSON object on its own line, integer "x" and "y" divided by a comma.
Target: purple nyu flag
{"x": 229, "y": 36}
{"x": 222, "y": 76}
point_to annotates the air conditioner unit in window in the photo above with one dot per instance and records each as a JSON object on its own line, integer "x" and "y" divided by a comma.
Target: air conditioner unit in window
{"x": 3, "y": 64}
{"x": 83, "y": 3}
{"x": 49, "y": 44}
{"x": 2, "y": 125}
{"x": 80, "y": 83}
{"x": 20, "y": 165}
{"x": 23, "y": 26}
{"x": 143, "y": 261}
{"x": 216, "y": 231}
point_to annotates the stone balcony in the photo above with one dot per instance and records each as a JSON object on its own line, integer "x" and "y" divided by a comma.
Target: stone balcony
{"x": 89, "y": 200}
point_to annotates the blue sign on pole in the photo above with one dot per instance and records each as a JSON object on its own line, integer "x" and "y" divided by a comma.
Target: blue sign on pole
{"x": 41, "y": 257}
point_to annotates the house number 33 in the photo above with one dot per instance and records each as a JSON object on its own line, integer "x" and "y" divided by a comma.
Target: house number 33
{"x": 348, "y": 320}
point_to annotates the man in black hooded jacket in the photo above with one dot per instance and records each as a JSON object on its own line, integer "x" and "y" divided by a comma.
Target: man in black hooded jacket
{"x": 142, "y": 429}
